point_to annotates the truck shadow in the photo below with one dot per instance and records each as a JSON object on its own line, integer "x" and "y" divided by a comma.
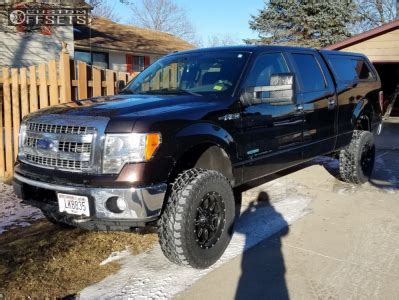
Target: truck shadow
{"x": 262, "y": 266}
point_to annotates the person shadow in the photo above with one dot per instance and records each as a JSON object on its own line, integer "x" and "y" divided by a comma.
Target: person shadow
{"x": 262, "y": 266}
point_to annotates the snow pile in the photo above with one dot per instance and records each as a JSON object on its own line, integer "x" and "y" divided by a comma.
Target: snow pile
{"x": 12, "y": 212}
{"x": 150, "y": 276}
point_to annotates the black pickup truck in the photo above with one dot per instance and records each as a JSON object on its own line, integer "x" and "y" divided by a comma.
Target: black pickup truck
{"x": 172, "y": 145}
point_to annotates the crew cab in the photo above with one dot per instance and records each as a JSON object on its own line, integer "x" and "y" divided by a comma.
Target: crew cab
{"x": 171, "y": 146}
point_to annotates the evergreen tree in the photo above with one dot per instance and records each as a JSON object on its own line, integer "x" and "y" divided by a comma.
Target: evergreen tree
{"x": 304, "y": 22}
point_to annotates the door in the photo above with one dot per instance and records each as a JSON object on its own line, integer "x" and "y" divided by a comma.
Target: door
{"x": 355, "y": 82}
{"x": 316, "y": 97}
{"x": 272, "y": 133}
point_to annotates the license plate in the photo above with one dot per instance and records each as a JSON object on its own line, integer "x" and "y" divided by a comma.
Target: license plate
{"x": 75, "y": 205}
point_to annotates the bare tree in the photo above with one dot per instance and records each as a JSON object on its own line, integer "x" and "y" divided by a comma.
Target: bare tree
{"x": 102, "y": 9}
{"x": 222, "y": 40}
{"x": 374, "y": 13}
{"x": 163, "y": 15}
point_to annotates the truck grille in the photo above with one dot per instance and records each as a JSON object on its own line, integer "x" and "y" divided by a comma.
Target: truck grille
{"x": 64, "y": 129}
{"x": 60, "y": 147}
{"x": 58, "y": 163}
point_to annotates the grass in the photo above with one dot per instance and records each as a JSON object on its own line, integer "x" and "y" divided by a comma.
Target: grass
{"x": 46, "y": 261}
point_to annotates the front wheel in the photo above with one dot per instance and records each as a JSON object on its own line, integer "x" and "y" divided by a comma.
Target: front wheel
{"x": 356, "y": 161}
{"x": 197, "y": 223}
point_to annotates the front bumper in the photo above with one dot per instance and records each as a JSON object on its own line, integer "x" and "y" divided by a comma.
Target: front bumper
{"x": 143, "y": 204}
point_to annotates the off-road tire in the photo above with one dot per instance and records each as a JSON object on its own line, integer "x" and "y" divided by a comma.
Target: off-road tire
{"x": 356, "y": 166}
{"x": 176, "y": 227}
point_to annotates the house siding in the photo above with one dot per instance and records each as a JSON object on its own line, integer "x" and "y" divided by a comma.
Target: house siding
{"x": 26, "y": 49}
{"x": 117, "y": 60}
{"x": 382, "y": 48}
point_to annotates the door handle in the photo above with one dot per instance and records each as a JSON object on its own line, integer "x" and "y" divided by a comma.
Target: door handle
{"x": 299, "y": 108}
{"x": 331, "y": 103}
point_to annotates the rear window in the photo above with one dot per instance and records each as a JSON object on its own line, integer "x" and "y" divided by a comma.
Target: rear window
{"x": 309, "y": 70}
{"x": 348, "y": 68}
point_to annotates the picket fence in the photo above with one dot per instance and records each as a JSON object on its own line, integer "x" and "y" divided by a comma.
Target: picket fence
{"x": 25, "y": 90}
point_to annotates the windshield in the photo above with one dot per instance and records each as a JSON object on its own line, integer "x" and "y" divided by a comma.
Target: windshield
{"x": 197, "y": 74}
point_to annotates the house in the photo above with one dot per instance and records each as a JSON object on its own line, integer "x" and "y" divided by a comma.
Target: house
{"x": 101, "y": 42}
{"x": 122, "y": 47}
{"x": 23, "y": 45}
{"x": 381, "y": 45}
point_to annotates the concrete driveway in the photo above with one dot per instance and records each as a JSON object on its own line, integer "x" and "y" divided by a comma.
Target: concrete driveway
{"x": 346, "y": 247}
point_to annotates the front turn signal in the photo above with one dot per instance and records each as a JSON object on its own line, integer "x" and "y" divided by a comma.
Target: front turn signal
{"x": 152, "y": 143}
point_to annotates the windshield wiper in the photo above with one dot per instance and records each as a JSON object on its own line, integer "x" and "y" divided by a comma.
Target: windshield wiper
{"x": 171, "y": 92}
{"x": 127, "y": 92}
{"x": 189, "y": 92}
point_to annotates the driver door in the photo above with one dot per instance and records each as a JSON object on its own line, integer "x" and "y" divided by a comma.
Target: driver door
{"x": 272, "y": 132}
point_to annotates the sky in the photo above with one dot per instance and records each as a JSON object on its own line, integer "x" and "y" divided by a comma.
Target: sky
{"x": 211, "y": 17}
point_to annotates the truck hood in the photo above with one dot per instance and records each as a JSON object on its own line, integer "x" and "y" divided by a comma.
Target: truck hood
{"x": 133, "y": 106}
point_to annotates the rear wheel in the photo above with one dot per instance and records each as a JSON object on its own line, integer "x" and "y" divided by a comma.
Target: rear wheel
{"x": 356, "y": 161}
{"x": 197, "y": 223}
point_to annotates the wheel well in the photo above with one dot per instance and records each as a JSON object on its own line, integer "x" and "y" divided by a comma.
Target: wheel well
{"x": 364, "y": 121}
{"x": 205, "y": 156}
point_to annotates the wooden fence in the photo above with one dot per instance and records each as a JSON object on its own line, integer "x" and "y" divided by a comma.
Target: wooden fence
{"x": 26, "y": 90}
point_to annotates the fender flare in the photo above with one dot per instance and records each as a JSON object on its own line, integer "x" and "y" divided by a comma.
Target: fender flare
{"x": 219, "y": 148}
{"x": 358, "y": 112}
{"x": 201, "y": 133}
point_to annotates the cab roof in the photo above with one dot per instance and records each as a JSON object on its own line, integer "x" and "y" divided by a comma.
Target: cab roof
{"x": 262, "y": 48}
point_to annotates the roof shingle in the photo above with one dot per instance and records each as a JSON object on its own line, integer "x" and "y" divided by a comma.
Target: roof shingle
{"x": 106, "y": 34}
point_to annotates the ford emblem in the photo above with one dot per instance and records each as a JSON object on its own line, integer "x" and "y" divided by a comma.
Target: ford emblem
{"x": 44, "y": 144}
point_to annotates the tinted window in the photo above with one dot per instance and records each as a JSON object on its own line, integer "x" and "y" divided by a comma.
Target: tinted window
{"x": 265, "y": 66}
{"x": 350, "y": 68}
{"x": 214, "y": 74}
{"x": 310, "y": 73}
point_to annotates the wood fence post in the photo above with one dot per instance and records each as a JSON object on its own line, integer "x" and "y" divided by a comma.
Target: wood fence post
{"x": 2, "y": 161}
{"x": 82, "y": 80}
{"x": 24, "y": 92}
{"x": 96, "y": 81}
{"x": 52, "y": 74}
{"x": 65, "y": 76}
{"x": 43, "y": 89}
{"x": 33, "y": 101}
{"x": 7, "y": 123}
{"x": 110, "y": 82}
{"x": 15, "y": 109}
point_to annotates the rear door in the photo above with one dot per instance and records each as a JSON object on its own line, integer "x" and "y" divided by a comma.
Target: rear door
{"x": 316, "y": 97}
{"x": 354, "y": 80}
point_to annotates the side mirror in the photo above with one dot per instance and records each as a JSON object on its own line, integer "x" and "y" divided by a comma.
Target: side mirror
{"x": 281, "y": 91}
{"x": 120, "y": 85}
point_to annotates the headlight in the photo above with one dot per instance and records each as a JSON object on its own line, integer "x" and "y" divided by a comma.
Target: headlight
{"x": 21, "y": 140}
{"x": 124, "y": 148}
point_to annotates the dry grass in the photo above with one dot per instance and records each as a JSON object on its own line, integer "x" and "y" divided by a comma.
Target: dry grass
{"x": 48, "y": 261}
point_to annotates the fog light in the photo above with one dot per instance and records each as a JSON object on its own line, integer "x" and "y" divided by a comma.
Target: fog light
{"x": 121, "y": 204}
{"x": 116, "y": 205}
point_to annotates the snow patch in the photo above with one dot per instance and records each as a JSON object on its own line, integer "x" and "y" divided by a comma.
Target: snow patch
{"x": 12, "y": 212}
{"x": 151, "y": 276}
{"x": 115, "y": 256}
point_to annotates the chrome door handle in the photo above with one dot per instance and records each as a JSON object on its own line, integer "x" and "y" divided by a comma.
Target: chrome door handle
{"x": 299, "y": 108}
{"x": 331, "y": 103}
